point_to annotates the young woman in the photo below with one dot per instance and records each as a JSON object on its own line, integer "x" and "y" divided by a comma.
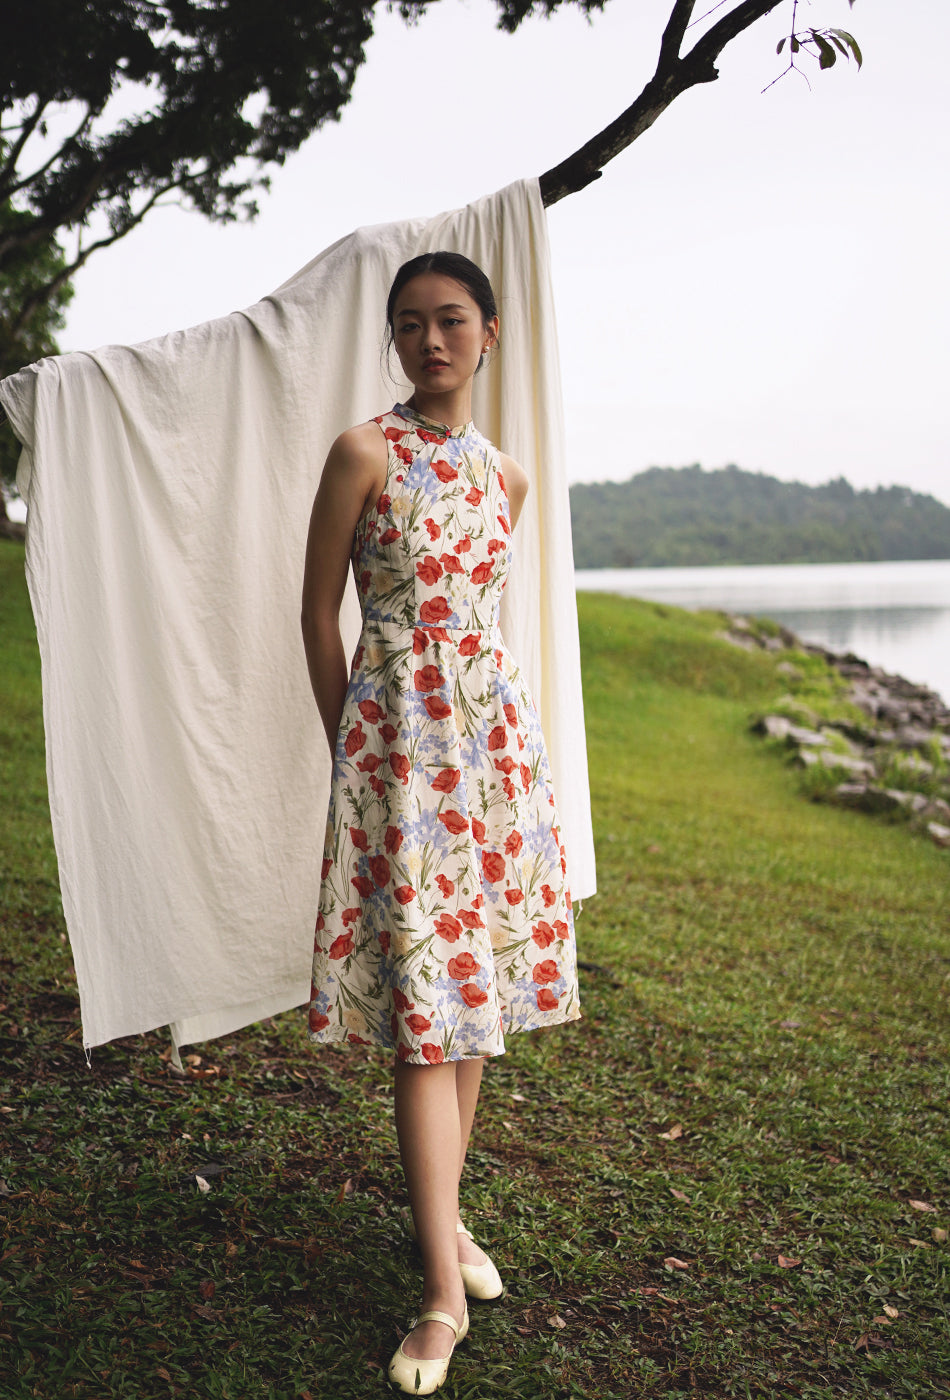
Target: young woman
{"x": 444, "y": 918}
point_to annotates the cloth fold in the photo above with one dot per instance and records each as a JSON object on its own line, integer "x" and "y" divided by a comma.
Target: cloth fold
{"x": 169, "y": 487}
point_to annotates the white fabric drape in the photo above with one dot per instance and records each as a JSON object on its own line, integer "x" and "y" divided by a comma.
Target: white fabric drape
{"x": 169, "y": 487}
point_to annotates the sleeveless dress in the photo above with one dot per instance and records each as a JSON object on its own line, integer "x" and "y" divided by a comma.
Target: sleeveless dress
{"x": 444, "y": 916}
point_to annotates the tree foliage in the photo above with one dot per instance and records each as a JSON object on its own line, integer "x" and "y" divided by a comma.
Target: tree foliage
{"x": 669, "y": 517}
{"x": 108, "y": 107}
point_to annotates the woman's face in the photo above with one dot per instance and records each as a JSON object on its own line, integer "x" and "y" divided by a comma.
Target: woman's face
{"x": 439, "y": 333}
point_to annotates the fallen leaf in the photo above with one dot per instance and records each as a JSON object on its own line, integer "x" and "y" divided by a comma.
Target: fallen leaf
{"x": 921, "y": 1244}
{"x": 940, "y": 1235}
{"x": 206, "y": 1289}
{"x": 207, "y": 1313}
{"x": 789, "y": 1025}
{"x": 230, "y": 1249}
{"x": 163, "y": 1375}
{"x": 867, "y": 1340}
{"x": 672, "y": 1262}
{"x": 891, "y": 1311}
{"x": 880, "y": 1322}
{"x": 679, "y": 1195}
{"x": 7, "y": 1109}
{"x": 556, "y": 1321}
{"x": 519, "y": 1098}
{"x": 203, "y": 1186}
{"x": 193, "y": 1060}
{"x": 923, "y": 1205}
{"x": 675, "y": 1132}
{"x": 345, "y": 1190}
{"x": 785, "y": 1263}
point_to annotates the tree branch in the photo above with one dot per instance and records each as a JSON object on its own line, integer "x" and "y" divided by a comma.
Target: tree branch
{"x": 674, "y": 75}
{"x": 9, "y": 188}
{"x": 26, "y": 129}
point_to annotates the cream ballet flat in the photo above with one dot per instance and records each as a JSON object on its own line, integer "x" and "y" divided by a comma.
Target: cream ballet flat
{"x": 417, "y": 1375}
{"x": 481, "y": 1281}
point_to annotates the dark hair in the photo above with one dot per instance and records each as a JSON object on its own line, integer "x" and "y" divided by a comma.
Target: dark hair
{"x": 454, "y": 265}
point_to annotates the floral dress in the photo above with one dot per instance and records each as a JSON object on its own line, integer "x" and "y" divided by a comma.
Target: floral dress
{"x": 445, "y": 917}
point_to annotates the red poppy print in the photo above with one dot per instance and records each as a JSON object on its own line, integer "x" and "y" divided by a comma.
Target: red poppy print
{"x": 433, "y": 529}
{"x": 429, "y": 570}
{"x": 446, "y": 886}
{"x": 451, "y": 564}
{"x": 453, "y": 822}
{"x": 474, "y": 496}
{"x": 389, "y": 734}
{"x": 546, "y": 971}
{"x": 359, "y": 838}
{"x": 341, "y": 947}
{"x": 498, "y": 738}
{"x": 429, "y": 678}
{"x": 548, "y": 895}
{"x": 401, "y": 1002}
{"x": 350, "y": 916}
{"x": 543, "y": 934}
{"x": 505, "y": 765}
{"x": 511, "y": 715}
{"x": 462, "y": 967}
{"x": 325, "y": 867}
{"x": 513, "y": 843}
{"x": 354, "y": 740}
{"x": 547, "y": 1001}
{"x": 526, "y": 777}
{"x": 404, "y": 894}
{"x": 379, "y": 869}
{"x": 378, "y": 786}
{"x": 400, "y": 765}
{"x": 470, "y": 645}
{"x": 493, "y": 866}
{"x": 446, "y": 781}
{"x": 435, "y": 610}
{"x": 448, "y": 928}
{"x": 393, "y": 839}
{"x": 496, "y": 546}
{"x": 316, "y": 1020}
{"x": 363, "y": 886}
{"x": 433, "y": 1053}
{"x": 417, "y": 1024}
{"x": 471, "y": 918}
{"x": 514, "y": 896}
{"x": 444, "y": 472}
{"x": 384, "y": 941}
{"x": 482, "y": 573}
{"x": 478, "y": 830}
{"x": 436, "y": 708}
{"x": 561, "y": 928}
{"x": 370, "y": 711}
{"x": 472, "y": 995}
{"x": 464, "y": 545}
{"x": 370, "y": 763}
{"x": 389, "y": 536}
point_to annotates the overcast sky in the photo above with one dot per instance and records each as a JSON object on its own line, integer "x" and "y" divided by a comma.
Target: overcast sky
{"x": 759, "y": 279}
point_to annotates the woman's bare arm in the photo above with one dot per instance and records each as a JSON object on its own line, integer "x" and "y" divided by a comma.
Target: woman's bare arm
{"x": 352, "y": 479}
{"x": 516, "y": 485}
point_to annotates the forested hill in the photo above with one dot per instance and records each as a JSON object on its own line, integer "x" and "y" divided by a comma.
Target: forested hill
{"x": 669, "y": 516}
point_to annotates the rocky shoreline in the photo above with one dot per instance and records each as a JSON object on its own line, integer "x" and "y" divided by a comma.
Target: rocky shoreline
{"x": 883, "y": 746}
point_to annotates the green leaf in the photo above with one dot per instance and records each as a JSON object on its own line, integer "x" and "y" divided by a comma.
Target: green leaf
{"x": 795, "y": 45}
{"x": 780, "y": 46}
{"x": 827, "y": 58}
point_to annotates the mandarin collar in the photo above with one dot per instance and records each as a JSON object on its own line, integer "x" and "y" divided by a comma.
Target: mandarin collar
{"x": 430, "y": 425}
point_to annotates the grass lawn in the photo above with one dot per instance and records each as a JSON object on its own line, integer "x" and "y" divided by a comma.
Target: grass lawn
{"x": 731, "y": 1178}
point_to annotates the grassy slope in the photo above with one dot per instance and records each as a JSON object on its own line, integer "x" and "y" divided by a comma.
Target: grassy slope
{"x": 767, "y": 975}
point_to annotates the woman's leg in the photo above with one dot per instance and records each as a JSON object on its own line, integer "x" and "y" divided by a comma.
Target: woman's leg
{"x": 468, "y": 1082}
{"x": 431, "y": 1147}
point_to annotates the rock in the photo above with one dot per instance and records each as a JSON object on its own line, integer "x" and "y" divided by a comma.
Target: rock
{"x": 857, "y": 767}
{"x": 789, "y": 669}
{"x": 780, "y": 727}
{"x": 870, "y": 799}
{"x": 805, "y": 737}
{"x": 938, "y": 810}
{"x": 737, "y": 640}
{"x": 913, "y": 764}
{"x": 913, "y": 736}
{"x": 940, "y": 835}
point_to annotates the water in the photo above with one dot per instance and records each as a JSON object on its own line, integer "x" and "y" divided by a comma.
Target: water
{"x": 895, "y": 615}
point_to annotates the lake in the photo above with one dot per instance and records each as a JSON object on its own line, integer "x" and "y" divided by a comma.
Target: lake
{"x": 894, "y": 615}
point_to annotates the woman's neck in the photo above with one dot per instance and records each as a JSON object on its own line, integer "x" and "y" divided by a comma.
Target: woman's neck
{"x": 451, "y": 409}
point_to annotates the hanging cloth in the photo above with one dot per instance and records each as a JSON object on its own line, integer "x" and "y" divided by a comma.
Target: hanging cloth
{"x": 169, "y": 488}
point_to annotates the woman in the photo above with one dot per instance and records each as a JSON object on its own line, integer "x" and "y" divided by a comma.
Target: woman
{"x": 444, "y": 917}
